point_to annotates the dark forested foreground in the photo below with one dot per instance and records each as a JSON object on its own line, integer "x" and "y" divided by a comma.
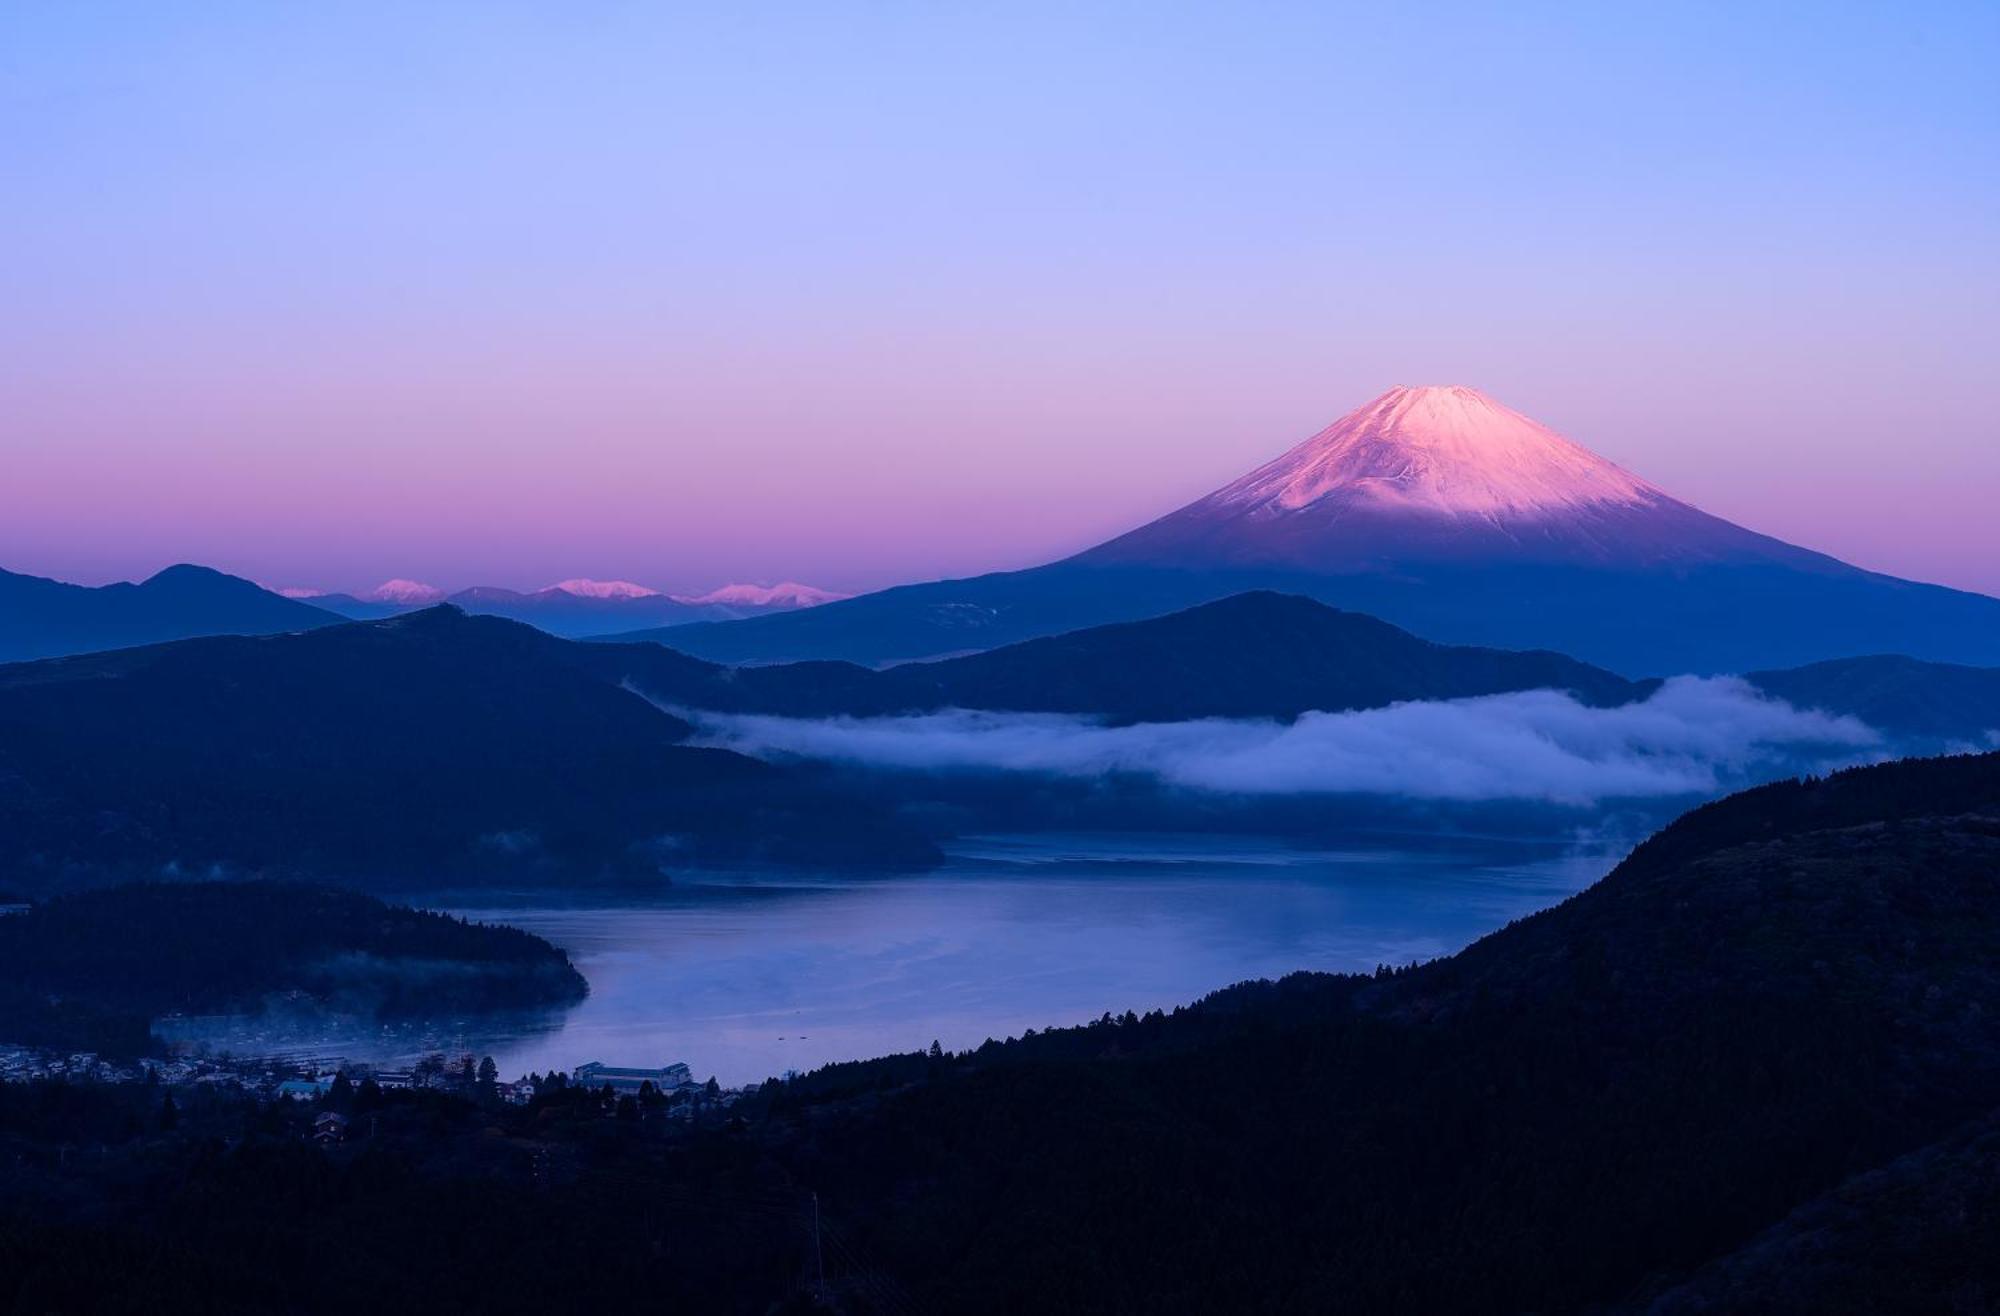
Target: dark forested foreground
{"x": 91, "y": 970}
{"x": 1755, "y": 1069}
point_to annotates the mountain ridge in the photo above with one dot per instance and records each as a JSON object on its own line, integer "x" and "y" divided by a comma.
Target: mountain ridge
{"x": 42, "y": 618}
{"x": 1566, "y": 1116}
{"x": 1254, "y": 655}
{"x": 427, "y": 747}
{"x": 1627, "y": 578}
{"x": 580, "y": 607}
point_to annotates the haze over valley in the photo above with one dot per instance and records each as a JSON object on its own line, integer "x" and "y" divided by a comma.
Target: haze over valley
{"x": 839, "y": 661}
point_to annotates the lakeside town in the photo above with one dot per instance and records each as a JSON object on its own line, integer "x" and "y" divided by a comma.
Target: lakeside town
{"x": 310, "y": 1079}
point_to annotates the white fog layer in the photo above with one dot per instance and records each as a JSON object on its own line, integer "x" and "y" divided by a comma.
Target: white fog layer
{"x": 1693, "y": 735}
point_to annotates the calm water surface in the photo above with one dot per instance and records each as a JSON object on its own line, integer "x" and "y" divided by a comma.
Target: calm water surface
{"x": 745, "y": 977}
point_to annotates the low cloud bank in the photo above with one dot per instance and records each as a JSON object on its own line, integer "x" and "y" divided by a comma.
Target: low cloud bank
{"x": 1694, "y": 735}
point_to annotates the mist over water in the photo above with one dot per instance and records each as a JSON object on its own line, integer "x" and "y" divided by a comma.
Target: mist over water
{"x": 747, "y": 976}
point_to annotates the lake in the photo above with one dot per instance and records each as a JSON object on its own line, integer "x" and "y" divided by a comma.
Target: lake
{"x": 744, "y": 977}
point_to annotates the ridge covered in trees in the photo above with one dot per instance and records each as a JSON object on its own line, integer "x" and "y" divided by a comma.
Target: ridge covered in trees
{"x": 433, "y": 748}
{"x": 1783, "y": 1018}
{"x": 92, "y": 969}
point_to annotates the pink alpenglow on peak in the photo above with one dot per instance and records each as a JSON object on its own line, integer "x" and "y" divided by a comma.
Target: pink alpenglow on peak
{"x": 1436, "y": 474}
{"x": 787, "y": 594}
{"x": 412, "y": 592}
{"x": 1441, "y": 449}
{"x": 585, "y": 588}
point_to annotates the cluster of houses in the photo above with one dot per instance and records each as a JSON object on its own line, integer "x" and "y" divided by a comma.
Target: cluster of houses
{"x": 25, "y": 1064}
{"x": 438, "y": 1073}
{"x": 21, "y": 1064}
{"x": 311, "y": 1080}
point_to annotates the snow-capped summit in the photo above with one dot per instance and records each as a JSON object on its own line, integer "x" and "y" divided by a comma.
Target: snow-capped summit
{"x": 786, "y": 594}
{"x": 1444, "y": 450}
{"x": 585, "y": 588}
{"x": 1445, "y": 513}
{"x": 1438, "y": 473}
{"x": 412, "y": 592}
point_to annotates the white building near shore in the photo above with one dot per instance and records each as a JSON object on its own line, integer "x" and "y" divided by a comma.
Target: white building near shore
{"x": 622, "y": 1080}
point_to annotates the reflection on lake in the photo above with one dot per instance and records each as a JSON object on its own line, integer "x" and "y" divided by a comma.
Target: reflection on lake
{"x": 745, "y": 977}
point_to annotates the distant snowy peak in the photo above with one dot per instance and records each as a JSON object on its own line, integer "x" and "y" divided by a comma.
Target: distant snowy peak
{"x": 1441, "y": 450}
{"x": 1439, "y": 474}
{"x": 404, "y": 591}
{"x": 604, "y": 589}
{"x": 787, "y": 594}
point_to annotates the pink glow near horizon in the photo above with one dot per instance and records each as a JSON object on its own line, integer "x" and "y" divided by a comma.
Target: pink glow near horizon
{"x": 693, "y": 300}
{"x": 876, "y": 482}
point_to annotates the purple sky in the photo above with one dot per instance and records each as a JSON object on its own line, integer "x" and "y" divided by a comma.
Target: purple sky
{"x": 856, "y": 295}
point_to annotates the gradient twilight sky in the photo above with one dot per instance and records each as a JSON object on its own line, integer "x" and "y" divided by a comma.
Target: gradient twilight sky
{"x": 860, "y": 293}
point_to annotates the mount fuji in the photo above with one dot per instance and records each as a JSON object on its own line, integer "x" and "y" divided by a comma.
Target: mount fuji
{"x": 1442, "y": 474}
{"x": 1448, "y": 514}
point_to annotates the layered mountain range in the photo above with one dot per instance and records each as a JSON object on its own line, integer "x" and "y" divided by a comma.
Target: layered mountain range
{"x": 1272, "y": 656}
{"x": 1435, "y": 509}
{"x": 426, "y": 749}
{"x": 582, "y": 606}
{"x": 439, "y": 746}
{"x": 42, "y": 618}
{"x": 1256, "y": 655}
{"x": 1439, "y": 510}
